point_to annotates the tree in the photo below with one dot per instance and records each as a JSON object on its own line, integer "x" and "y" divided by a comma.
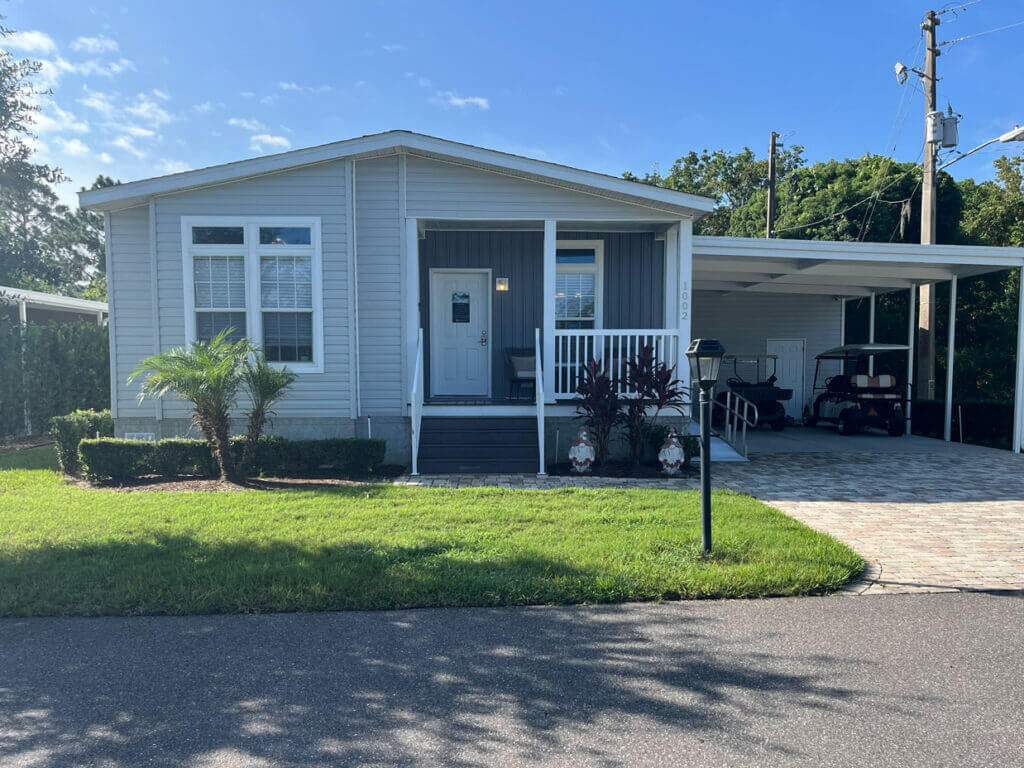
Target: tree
{"x": 209, "y": 374}
{"x": 265, "y": 385}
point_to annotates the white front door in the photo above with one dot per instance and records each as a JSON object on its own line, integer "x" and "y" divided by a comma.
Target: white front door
{"x": 790, "y": 371}
{"x": 460, "y": 332}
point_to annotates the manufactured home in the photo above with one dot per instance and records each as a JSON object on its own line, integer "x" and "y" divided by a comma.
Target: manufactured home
{"x": 443, "y": 296}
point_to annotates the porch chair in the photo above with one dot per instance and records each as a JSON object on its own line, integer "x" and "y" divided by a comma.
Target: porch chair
{"x": 520, "y": 368}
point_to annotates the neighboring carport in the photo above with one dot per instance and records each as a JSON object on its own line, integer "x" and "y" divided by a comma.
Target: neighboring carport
{"x": 735, "y": 266}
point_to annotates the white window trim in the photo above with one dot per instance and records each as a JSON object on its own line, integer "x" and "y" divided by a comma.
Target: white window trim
{"x": 597, "y": 268}
{"x": 252, "y": 251}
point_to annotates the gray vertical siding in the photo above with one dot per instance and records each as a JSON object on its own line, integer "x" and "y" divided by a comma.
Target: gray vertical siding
{"x": 518, "y": 256}
{"x": 312, "y": 191}
{"x": 745, "y": 322}
{"x": 379, "y": 260}
{"x": 130, "y": 299}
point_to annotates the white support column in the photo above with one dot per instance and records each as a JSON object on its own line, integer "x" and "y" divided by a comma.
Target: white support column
{"x": 671, "y": 276}
{"x": 871, "y": 334}
{"x": 911, "y": 336}
{"x": 842, "y": 322}
{"x": 550, "y": 269}
{"x": 412, "y": 300}
{"x": 1018, "y": 392}
{"x": 950, "y": 356}
{"x": 23, "y": 324}
{"x": 684, "y": 303}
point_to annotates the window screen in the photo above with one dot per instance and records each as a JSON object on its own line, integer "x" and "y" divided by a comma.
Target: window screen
{"x": 286, "y": 291}
{"x": 575, "y": 300}
{"x": 219, "y": 283}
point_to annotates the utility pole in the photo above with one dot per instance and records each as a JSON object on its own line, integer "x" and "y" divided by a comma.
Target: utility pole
{"x": 769, "y": 231}
{"x": 926, "y": 316}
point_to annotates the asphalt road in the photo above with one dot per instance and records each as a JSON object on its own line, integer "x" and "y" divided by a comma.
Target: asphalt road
{"x": 902, "y": 680}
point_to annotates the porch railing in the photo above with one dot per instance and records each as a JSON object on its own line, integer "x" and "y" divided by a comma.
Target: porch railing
{"x": 416, "y": 402}
{"x": 612, "y": 347}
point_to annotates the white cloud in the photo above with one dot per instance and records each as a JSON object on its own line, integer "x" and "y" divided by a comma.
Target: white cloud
{"x": 136, "y": 131}
{"x": 263, "y": 141}
{"x": 268, "y": 99}
{"x": 448, "y": 99}
{"x": 247, "y": 124}
{"x": 162, "y": 95}
{"x": 95, "y": 45}
{"x": 99, "y": 101}
{"x": 105, "y": 158}
{"x": 247, "y": 95}
{"x": 148, "y": 111}
{"x": 51, "y": 70}
{"x": 53, "y": 119}
{"x": 393, "y": 47}
{"x": 126, "y": 143}
{"x": 30, "y": 41}
{"x": 206, "y": 106}
{"x": 290, "y": 86}
{"x": 173, "y": 166}
{"x": 73, "y": 148}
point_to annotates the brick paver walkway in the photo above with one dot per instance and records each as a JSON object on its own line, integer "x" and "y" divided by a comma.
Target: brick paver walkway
{"x": 942, "y": 521}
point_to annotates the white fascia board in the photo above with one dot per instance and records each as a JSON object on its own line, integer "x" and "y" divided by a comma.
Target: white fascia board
{"x": 133, "y": 193}
{"x": 832, "y": 250}
{"x": 52, "y": 300}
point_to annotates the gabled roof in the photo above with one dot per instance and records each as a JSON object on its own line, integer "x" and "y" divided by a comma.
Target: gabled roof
{"x": 138, "y": 192}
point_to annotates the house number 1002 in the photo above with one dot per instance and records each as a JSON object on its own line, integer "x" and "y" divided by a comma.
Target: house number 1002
{"x": 684, "y": 301}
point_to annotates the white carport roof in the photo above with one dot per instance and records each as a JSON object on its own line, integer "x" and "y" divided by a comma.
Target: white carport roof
{"x": 848, "y": 269}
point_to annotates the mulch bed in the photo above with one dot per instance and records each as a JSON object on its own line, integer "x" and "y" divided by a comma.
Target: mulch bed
{"x": 618, "y": 469}
{"x": 24, "y": 443}
{"x": 159, "y": 483}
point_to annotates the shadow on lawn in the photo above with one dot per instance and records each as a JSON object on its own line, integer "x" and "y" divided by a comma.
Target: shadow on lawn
{"x": 394, "y": 688}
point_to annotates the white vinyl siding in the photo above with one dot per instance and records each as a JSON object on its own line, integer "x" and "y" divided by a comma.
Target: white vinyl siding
{"x": 130, "y": 298}
{"x": 437, "y": 189}
{"x": 744, "y": 323}
{"x": 378, "y": 245}
{"x": 316, "y": 191}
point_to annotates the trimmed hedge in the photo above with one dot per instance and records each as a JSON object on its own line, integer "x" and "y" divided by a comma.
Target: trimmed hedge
{"x": 117, "y": 460}
{"x": 68, "y": 431}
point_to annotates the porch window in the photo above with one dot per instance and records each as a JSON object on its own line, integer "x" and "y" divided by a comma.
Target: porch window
{"x": 578, "y": 285}
{"x": 260, "y": 277}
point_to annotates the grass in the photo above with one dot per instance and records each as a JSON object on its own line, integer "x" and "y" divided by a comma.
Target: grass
{"x": 43, "y": 457}
{"x": 66, "y": 550}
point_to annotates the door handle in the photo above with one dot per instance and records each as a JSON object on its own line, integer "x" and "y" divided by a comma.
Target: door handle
{"x": 483, "y": 338}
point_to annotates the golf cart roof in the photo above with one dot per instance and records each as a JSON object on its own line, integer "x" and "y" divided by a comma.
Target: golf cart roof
{"x": 848, "y": 351}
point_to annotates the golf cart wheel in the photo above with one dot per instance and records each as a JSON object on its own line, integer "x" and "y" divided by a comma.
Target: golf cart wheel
{"x": 897, "y": 426}
{"x": 847, "y": 424}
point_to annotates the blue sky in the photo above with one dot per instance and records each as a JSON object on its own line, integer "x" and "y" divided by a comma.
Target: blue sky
{"x": 142, "y": 89}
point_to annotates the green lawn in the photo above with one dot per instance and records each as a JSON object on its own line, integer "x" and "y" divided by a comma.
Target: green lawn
{"x": 66, "y": 550}
{"x": 44, "y": 457}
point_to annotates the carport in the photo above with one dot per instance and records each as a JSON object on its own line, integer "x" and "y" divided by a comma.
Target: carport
{"x": 803, "y": 286}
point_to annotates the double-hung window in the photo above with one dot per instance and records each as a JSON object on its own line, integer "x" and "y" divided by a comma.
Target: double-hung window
{"x": 579, "y": 284}
{"x": 259, "y": 277}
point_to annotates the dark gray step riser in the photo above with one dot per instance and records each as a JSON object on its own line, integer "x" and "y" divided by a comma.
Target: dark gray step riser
{"x": 448, "y": 467}
{"x": 481, "y": 424}
{"x": 495, "y": 453}
{"x": 476, "y": 438}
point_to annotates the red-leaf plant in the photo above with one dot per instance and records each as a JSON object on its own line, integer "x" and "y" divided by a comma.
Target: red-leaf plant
{"x": 599, "y": 407}
{"x": 654, "y": 390}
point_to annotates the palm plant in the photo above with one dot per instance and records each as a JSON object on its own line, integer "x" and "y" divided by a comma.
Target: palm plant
{"x": 209, "y": 375}
{"x": 265, "y": 384}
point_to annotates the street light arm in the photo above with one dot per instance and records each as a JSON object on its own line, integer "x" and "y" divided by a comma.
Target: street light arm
{"x": 965, "y": 154}
{"x": 1017, "y": 134}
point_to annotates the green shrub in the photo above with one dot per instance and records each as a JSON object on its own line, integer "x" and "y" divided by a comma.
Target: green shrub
{"x": 113, "y": 459}
{"x": 68, "y": 431}
{"x": 275, "y": 456}
{"x": 179, "y": 456}
{"x": 66, "y": 367}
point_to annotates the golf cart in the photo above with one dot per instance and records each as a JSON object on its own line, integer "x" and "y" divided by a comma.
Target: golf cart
{"x": 761, "y": 392}
{"x": 856, "y": 400}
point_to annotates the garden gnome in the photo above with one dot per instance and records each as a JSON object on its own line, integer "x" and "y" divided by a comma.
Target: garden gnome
{"x": 671, "y": 454}
{"x": 581, "y": 453}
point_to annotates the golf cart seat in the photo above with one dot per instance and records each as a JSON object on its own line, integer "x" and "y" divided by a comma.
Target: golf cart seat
{"x": 881, "y": 387}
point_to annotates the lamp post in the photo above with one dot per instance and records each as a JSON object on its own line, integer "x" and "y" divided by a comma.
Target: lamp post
{"x": 705, "y": 356}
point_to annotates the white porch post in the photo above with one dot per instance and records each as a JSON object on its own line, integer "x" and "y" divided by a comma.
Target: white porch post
{"x": 842, "y": 322}
{"x": 950, "y": 354}
{"x": 1018, "y": 392}
{"x": 684, "y": 309}
{"x": 23, "y": 324}
{"x": 911, "y": 336}
{"x": 871, "y": 334}
{"x": 412, "y": 299}
{"x": 550, "y": 238}
{"x": 671, "y": 275}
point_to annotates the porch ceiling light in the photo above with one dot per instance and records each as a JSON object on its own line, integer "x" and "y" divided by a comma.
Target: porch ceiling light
{"x": 705, "y": 356}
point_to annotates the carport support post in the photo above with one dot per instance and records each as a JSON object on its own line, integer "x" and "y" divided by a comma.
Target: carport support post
{"x": 911, "y": 335}
{"x": 1018, "y": 392}
{"x": 950, "y": 352}
{"x": 871, "y": 334}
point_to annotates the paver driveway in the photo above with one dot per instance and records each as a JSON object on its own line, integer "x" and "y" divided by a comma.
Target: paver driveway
{"x": 947, "y": 519}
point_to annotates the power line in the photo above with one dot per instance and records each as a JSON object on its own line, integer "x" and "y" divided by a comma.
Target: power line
{"x": 979, "y": 34}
